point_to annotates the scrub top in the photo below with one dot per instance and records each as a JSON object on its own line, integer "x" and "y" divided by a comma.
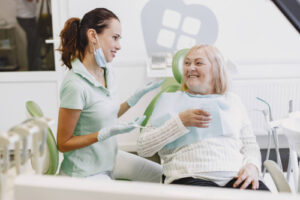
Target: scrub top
{"x": 99, "y": 108}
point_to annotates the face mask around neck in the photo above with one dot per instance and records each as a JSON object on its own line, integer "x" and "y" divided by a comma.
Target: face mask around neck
{"x": 99, "y": 56}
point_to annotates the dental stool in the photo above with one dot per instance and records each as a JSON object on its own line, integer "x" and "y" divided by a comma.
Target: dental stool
{"x": 51, "y": 159}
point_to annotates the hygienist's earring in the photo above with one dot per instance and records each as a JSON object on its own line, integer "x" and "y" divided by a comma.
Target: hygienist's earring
{"x": 92, "y": 49}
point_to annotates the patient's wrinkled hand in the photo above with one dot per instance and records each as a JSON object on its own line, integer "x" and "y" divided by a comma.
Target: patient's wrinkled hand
{"x": 195, "y": 117}
{"x": 247, "y": 175}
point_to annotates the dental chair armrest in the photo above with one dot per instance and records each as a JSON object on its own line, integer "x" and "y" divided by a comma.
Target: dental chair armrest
{"x": 277, "y": 176}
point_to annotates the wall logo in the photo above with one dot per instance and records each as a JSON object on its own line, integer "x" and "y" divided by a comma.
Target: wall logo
{"x": 170, "y": 25}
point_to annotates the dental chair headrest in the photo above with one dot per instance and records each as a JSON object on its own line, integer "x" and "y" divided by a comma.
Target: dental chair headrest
{"x": 177, "y": 64}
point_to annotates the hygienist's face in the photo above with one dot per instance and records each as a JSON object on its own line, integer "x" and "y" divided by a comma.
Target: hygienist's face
{"x": 198, "y": 73}
{"x": 110, "y": 40}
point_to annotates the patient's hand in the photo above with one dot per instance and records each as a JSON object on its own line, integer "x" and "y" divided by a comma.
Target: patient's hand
{"x": 195, "y": 117}
{"x": 248, "y": 174}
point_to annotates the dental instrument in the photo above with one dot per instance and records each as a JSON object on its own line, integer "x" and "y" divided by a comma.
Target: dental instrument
{"x": 272, "y": 132}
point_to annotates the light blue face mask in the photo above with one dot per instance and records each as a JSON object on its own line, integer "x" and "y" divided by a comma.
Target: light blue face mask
{"x": 99, "y": 56}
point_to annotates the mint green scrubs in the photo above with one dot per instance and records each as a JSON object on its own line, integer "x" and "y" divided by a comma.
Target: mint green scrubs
{"x": 99, "y": 108}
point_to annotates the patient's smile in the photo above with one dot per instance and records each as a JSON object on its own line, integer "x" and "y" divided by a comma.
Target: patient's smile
{"x": 193, "y": 76}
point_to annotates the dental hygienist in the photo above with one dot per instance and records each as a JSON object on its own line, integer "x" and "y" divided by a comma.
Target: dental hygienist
{"x": 90, "y": 106}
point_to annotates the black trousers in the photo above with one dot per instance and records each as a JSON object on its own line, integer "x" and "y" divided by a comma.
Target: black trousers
{"x": 29, "y": 25}
{"x": 205, "y": 183}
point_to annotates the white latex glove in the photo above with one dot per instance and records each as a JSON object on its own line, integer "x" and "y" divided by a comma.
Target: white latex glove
{"x": 119, "y": 129}
{"x": 142, "y": 91}
{"x": 247, "y": 175}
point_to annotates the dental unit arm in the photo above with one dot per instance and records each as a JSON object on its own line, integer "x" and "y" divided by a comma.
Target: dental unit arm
{"x": 17, "y": 139}
{"x": 5, "y": 143}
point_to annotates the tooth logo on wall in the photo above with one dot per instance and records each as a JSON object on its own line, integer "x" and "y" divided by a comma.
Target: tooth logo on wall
{"x": 170, "y": 25}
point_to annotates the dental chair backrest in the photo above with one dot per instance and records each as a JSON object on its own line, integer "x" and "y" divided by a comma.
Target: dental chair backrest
{"x": 171, "y": 84}
{"x": 51, "y": 160}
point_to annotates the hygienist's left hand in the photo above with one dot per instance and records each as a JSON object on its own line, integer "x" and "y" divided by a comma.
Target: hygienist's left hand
{"x": 247, "y": 175}
{"x": 142, "y": 91}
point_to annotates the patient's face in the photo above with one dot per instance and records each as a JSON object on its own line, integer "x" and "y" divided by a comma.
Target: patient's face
{"x": 198, "y": 73}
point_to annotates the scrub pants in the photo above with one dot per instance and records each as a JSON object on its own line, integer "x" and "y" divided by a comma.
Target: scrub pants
{"x": 135, "y": 168}
{"x": 130, "y": 167}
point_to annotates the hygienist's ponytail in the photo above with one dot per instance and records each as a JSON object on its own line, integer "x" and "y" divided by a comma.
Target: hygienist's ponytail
{"x": 74, "y": 40}
{"x": 69, "y": 41}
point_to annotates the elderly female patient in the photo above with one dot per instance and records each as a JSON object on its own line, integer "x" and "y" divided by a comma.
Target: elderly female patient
{"x": 202, "y": 133}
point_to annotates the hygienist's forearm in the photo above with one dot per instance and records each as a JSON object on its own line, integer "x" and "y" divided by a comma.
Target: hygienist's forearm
{"x": 77, "y": 142}
{"x": 123, "y": 108}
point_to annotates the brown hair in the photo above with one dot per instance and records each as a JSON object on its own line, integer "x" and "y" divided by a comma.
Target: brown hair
{"x": 219, "y": 72}
{"x": 73, "y": 36}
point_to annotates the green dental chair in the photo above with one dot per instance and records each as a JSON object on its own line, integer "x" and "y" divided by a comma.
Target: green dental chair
{"x": 171, "y": 84}
{"x": 51, "y": 159}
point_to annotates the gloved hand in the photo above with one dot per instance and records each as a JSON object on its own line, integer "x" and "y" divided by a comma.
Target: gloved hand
{"x": 142, "y": 91}
{"x": 119, "y": 129}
